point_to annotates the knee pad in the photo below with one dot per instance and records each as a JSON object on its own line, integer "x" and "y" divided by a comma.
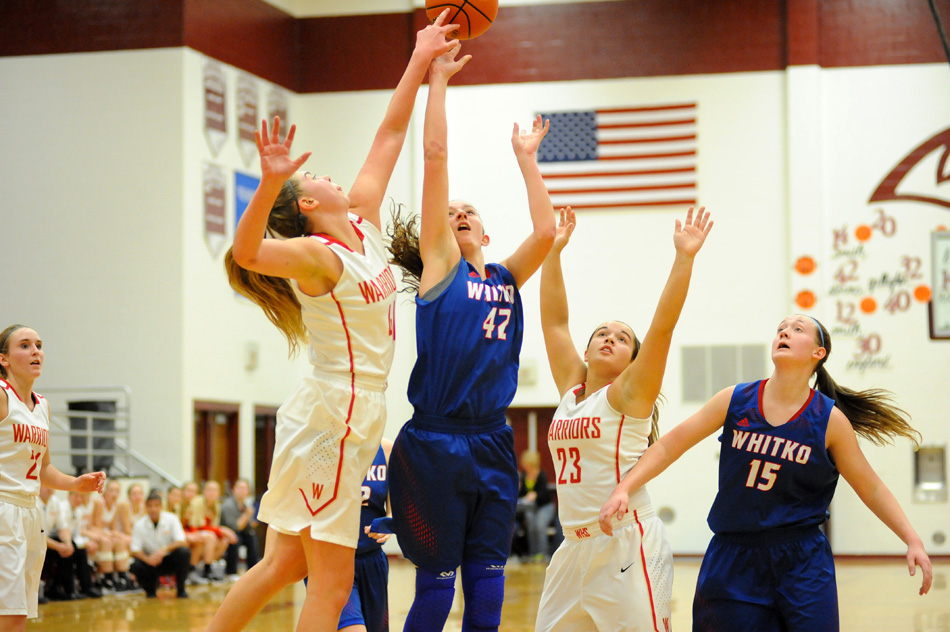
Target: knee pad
{"x": 105, "y": 557}
{"x": 484, "y": 588}
{"x": 121, "y": 556}
{"x": 434, "y": 595}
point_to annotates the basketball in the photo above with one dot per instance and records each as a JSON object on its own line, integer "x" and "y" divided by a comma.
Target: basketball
{"x": 473, "y": 16}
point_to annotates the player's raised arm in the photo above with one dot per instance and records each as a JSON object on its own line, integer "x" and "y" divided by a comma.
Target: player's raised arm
{"x": 531, "y": 253}
{"x": 567, "y": 367}
{"x": 637, "y": 388}
{"x": 368, "y": 190}
{"x": 437, "y": 244}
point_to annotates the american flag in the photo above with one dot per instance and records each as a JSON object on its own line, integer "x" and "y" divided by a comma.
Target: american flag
{"x": 621, "y": 157}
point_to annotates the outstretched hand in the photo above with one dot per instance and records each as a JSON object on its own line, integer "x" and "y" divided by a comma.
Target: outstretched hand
{"x": 446, "y": 65}
{"x": 527, "y": 143}
{"x": 431, "y": 41}
{"x": 689, "y": 237}
{"x": 565, "y": 228}
{"x": 91, "y": 482}
{"x": 275, "y": 155}
{"x": 916, "y": 556}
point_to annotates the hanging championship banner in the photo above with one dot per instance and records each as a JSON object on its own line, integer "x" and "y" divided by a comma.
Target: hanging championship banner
{"x": 216, "y": 131}
{"x": 214, "y": 186}
{"x": 277, "y": 105}
{"x": 247, "y": 108}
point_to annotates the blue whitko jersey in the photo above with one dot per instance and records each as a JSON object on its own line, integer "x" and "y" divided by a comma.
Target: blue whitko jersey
{"x": 773, "y": 477}
{"x": 375, "y": 490}
{"x": 468, "y": 339}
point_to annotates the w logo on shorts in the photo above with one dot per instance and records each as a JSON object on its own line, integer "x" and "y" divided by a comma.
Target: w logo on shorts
{"x": 323, "y": 468}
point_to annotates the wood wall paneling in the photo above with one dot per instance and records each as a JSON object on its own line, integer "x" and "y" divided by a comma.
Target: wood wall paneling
{"x": 365, "y": 52}
{"x": 803, "y": 30}
{"x": 249, "y": 34}
{"x": 558, "y": 42}
{"x": 44, "y": 27}
{"x": 880, "y": 32}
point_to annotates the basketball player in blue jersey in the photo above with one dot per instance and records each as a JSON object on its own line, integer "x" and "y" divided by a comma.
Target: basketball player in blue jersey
{"x": 768, "y": 566}
{"x": 607, "y": 417}
{"x": 453, "y": 473}
{"x": 328, "y": 283}
{"x": 367, "y": 609}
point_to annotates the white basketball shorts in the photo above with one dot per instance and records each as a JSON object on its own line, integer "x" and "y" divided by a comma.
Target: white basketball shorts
{"x": 619, "y": 583}
{"x": 327, "y": 436}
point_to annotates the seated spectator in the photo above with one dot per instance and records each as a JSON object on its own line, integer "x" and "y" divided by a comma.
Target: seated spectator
{"x": 158, "y": 548}
{"x": 535, "y": 504}
{"x": 202, "y": 544}
{"x": 84, "y": 541}
{"x": 58, "y": 568}
{"x": 237, "y": 514}
{"x": 204, "y": 514}
{"x": 136, "y": 502}
{"x": 173, "y": 500}
{"x": 111, "y": 518}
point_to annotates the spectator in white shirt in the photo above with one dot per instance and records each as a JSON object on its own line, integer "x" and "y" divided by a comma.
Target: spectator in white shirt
{"x": 159, "y": 548}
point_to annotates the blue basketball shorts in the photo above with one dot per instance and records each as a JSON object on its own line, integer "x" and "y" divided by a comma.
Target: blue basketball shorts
{"x": 453, "y": 496}
{"x": 787, "y": 584}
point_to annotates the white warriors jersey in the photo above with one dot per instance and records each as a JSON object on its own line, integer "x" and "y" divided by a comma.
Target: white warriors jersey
{"x": 593, "y": 447}
{"x": 352, "y": 328}
{"x": 24, "y": 439}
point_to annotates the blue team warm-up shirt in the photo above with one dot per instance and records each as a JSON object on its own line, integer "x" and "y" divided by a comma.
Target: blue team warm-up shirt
{"x": 468, "y": 339}
{"x": 773, "y": 477}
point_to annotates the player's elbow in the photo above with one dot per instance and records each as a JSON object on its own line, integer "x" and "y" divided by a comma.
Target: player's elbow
{"x": 435, "y": 151}
{"x": 545, "y": 236}
{"x": 244, "y": 257}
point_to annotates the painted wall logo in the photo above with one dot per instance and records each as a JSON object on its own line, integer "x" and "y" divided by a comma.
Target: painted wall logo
{"x": 920, "y": 175}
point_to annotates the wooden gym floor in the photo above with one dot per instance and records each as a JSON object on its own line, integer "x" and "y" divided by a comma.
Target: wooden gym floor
{"x": 875, "y": 596}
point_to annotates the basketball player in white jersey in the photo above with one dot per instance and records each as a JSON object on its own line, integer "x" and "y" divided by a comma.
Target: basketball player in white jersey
{"x": 606, "y": 418}
{"x": 24, "y": 466}
{"x": 327, "y": 282}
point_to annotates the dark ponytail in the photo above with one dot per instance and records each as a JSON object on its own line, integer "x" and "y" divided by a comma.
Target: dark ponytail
{"x": 871, "y": 412}
{"x": 274, "y": 294}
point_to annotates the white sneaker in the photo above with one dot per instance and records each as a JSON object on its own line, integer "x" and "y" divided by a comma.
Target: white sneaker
{"x": 195, "y": 578}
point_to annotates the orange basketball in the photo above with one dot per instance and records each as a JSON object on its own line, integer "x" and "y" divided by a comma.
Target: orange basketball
{"x": 473, "y": 16}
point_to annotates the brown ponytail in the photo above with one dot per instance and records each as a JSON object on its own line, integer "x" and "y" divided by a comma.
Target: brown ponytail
{"x": 274, "y": 294}
{"x": 871, "y": 412}
{"x": 404, "y": 247}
